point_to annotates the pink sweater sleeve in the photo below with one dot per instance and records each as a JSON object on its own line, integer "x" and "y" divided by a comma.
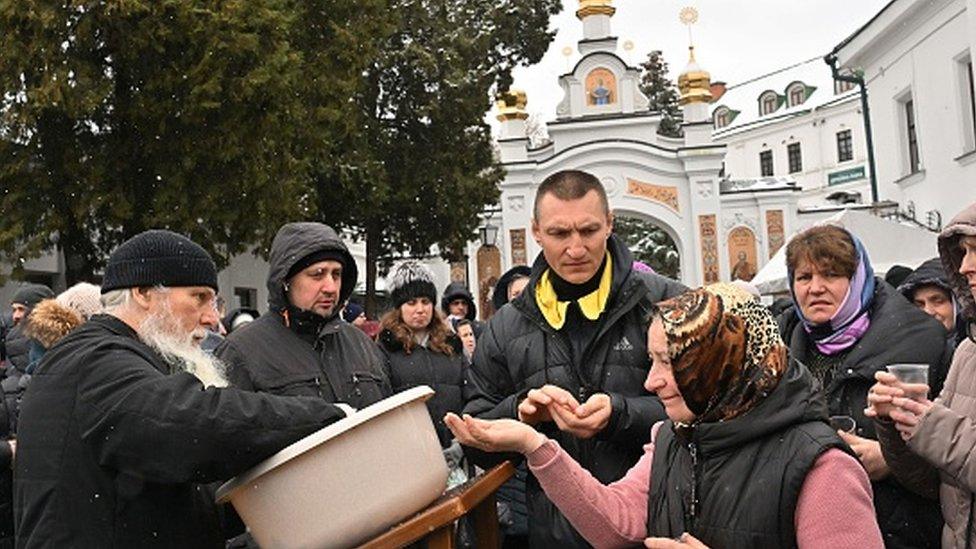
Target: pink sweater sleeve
{"x": 835, "y": 507}
{"x": 614, "y": 515}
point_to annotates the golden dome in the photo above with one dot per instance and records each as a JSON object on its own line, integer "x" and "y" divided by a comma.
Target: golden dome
{"x": 511, "y": 105}
{"x": 695, "y": 83}
{"x": 595, "y": 7}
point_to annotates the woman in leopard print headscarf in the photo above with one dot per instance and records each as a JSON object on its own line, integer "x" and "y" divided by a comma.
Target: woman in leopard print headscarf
{"x": 746, "y": 458}
{"x": 724, "y": 348}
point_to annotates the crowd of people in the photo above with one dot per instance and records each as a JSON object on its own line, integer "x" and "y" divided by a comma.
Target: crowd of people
{"x": 637, "y": 411}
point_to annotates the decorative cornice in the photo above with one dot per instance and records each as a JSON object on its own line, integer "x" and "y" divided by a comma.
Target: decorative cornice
{"x": 662, "y": 194}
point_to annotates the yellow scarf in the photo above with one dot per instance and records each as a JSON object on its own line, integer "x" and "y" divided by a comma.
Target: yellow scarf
{"x": 592, "y": 304}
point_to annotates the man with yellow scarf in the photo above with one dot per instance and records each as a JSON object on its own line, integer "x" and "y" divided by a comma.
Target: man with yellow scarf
{"x": 576, "y": 337}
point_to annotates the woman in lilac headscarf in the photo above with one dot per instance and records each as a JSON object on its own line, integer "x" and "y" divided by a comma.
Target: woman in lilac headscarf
{"x": 845, "y": 325}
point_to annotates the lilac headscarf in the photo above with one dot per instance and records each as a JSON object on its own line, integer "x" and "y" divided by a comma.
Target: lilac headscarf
{"x": 851, "y": 320}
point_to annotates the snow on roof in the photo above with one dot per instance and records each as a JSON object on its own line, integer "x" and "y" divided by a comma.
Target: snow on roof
{"x": 744, "y": 97}
{"x": 758, "y": 184}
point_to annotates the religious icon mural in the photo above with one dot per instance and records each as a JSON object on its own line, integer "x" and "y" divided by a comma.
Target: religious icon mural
{"x": 709, "y": 248}
{"x": 519, "y": 255}
{"x": 601, "y": 87}
{"x": 742, "y": 254}
{"x": 774, "y": 227}
{"x": 489, "y": 269}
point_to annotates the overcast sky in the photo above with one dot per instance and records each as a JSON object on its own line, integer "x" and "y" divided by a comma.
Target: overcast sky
{"x": 735, "y": 40}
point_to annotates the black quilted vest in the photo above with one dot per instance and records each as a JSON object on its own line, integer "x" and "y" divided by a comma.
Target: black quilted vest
{"x": 735, "y": 484}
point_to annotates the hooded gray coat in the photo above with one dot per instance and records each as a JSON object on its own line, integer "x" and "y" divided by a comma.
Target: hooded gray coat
{"x": 341, "y": 365}
{"x": 939, "y": 457}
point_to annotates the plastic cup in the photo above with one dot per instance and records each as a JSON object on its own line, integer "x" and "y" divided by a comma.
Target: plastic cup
{"x": 843, "y": 423}
{"x": 910, "y": 373}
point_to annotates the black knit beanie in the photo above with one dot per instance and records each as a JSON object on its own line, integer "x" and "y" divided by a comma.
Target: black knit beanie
{"x": 315, "y": 257}
{"x": 159, "y": 257}
{"x": 410, "y": 280}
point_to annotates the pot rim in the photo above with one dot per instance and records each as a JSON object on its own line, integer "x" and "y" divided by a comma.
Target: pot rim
{"x": 322, "y": 436}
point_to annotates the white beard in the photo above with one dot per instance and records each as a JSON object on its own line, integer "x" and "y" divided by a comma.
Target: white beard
{"x": 162, "y": 332}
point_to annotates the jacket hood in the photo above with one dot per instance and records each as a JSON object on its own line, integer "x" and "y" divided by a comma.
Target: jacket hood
{"x": 499, "y": 296}
{"x": 457, "y": 290}
{"x": 930, "y": 273}
{"x": 50, "y": 321}
{"x": 792, "y": 402}
{"x": 293, "y": 242}
{"x": 962, "y": 225}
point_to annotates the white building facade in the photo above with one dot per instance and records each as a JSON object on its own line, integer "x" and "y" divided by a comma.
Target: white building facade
{"x": 916, "y": 57}
{"x": 603, "y": 126}
{"x": 796, "y": 123}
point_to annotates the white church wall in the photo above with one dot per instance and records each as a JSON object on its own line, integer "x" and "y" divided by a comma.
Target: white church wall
{"x": 918, "y": 50}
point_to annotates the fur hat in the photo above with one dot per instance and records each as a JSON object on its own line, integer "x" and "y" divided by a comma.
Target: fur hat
{"x": 50, "y": 321}
{"x": 83, "y": 298}
{"x": 410, "y": 280}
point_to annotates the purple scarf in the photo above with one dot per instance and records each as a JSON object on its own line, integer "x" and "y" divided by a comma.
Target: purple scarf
{"x": 851, "y": 320}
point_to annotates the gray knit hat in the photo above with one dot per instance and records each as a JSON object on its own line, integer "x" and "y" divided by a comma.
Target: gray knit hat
{"x": 83, "y": 298}
{"x": 410, "y": 280}
{"x": 31, "y": 294}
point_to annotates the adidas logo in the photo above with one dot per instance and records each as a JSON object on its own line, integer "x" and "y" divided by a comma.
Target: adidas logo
{"x": 623, "y": 345}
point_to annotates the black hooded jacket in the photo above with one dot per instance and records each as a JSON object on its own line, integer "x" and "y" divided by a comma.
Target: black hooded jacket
{"x": 337, "y": 362}
{"x": 519, "y": 351}
{"x": 932, "y": 273}
{"x": 422, "y": 366}
{"x": 899, "y": 332}
{"x": 747, "y": 472}
{"x": 457, "y": 290}
{"x": 112, "y": 448}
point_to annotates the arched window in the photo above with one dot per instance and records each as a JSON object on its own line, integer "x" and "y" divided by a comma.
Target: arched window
{"x": 797, "y": 94}
{"x": 721, "y": 117}
{"x": 768, "y": 103}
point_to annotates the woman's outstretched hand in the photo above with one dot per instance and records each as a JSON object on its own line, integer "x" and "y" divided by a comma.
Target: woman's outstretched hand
{"x": 497, "y": 435}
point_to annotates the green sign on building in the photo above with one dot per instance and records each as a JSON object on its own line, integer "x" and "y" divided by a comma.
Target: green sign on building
{"x": 844, "y": 176}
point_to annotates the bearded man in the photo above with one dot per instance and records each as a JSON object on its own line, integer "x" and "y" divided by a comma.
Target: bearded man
{"x": 126, "y": 418}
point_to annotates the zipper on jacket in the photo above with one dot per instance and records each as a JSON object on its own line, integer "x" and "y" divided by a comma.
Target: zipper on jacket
{"x": 693, "y": 506}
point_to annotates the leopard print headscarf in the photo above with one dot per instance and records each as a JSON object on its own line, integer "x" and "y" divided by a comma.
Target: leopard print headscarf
{"x": 725, "y": 350}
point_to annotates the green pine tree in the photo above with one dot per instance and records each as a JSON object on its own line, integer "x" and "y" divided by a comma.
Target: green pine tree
{"x": 199, "y": 116}
{"x": 649, "y": 244}
{"x": 421, "y": 168}
{"x": 662, "y": 94}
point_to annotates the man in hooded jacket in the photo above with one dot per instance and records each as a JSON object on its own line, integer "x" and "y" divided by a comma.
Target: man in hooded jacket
{"x": 458, "y": 304}
{"x": 302, "y": 346}
{"x": 579, "y": 332}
